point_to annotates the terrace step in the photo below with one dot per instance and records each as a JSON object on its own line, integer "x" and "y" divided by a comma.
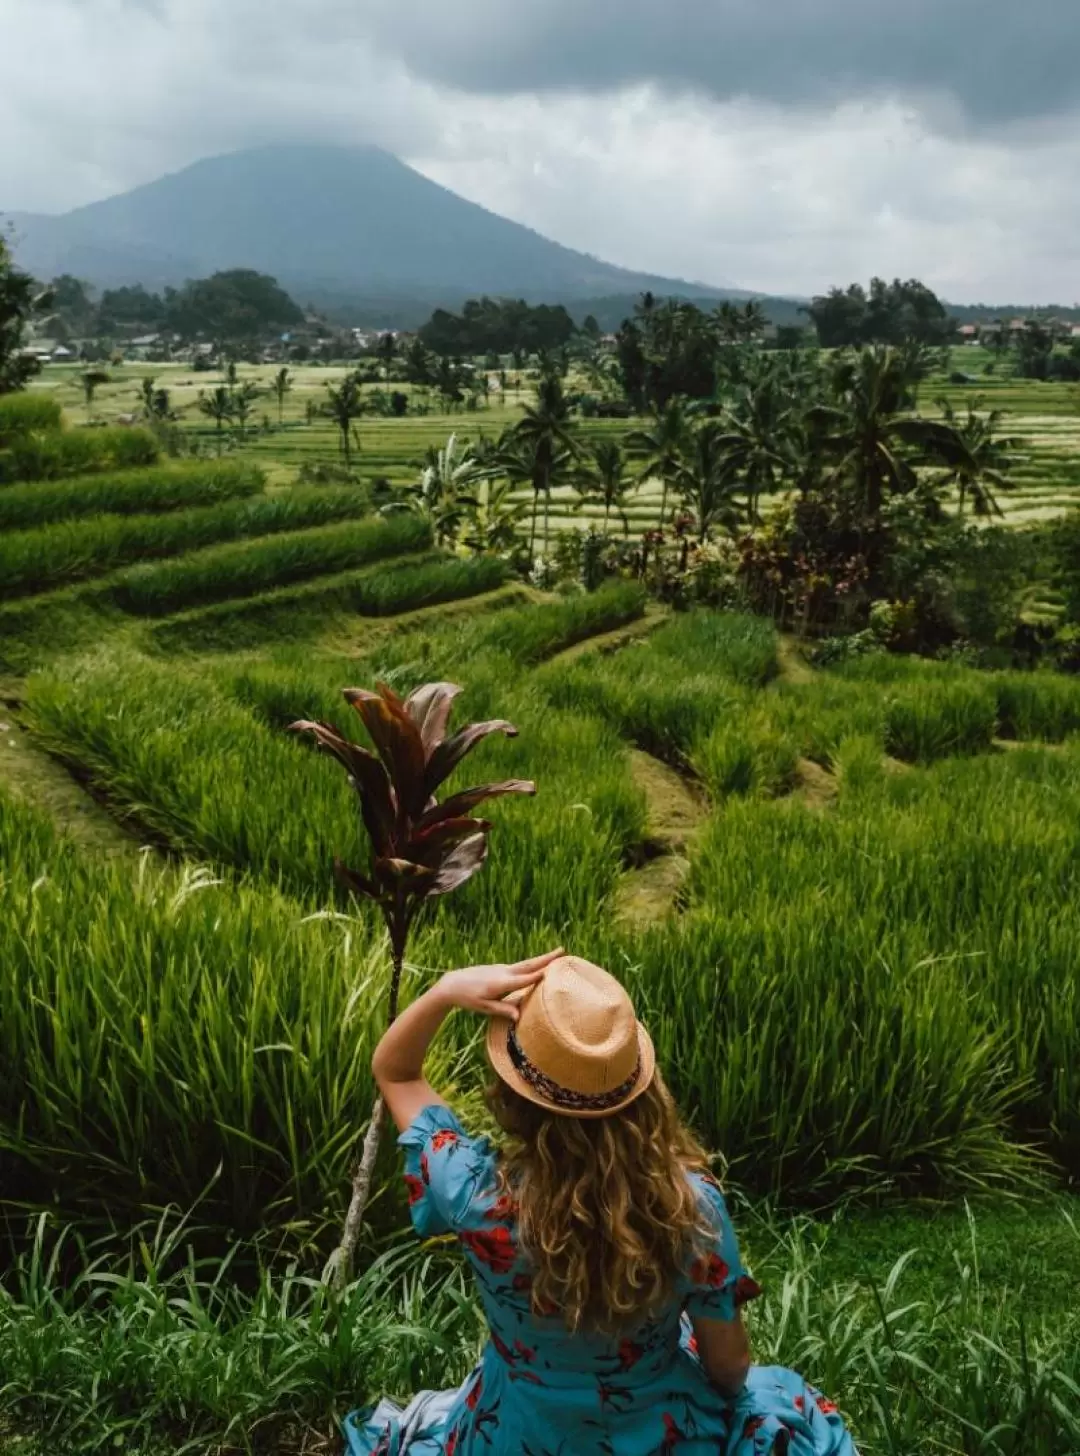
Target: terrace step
{"x": 32, "y": 775}
{"x": 675, "y": 816}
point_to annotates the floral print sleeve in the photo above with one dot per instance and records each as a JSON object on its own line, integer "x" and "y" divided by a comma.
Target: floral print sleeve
{"x": 449, "y": 1175}
{"x": 719, "y": 1283}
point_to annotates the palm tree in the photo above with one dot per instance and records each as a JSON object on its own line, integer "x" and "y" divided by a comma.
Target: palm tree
{"x": 547, "y": 435}
{"x": 90, "y": 381}
{"x": 282, "y": 387}
{"x": 864, "y": 431}
{"x": 155, "y": 401}
{"x": 758, "y": 430}
{"x": 706, "y": 482}
{"x": 661, "y": 447}
{"x": 493, "y": 517}
{"x": 219, "y": 406}
{"x": 345, "y": 404}
{"x": 975, "y": 458}
{"x": 604, "y": 479}
{"x": 244, "y": 404}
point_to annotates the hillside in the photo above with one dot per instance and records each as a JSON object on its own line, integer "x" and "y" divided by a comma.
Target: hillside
{"x": 334, "y": 225}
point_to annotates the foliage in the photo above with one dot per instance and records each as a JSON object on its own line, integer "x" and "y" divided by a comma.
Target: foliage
{"x": 234, "y": 306}
{"x": 892, "y": 313}
{"x": 20, "y": 300}
{"x": 498, "y": 326}
{"x": 534, "y": 633}
{"x": 24, "y": 414}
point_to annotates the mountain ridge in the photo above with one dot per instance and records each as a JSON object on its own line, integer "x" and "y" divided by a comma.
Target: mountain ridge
{"x": 324, "y": 221}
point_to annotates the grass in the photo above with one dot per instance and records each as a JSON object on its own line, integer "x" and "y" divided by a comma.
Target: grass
{"x": 163, "y": 488}
{"x": 929, "y": 1345}
{"x": 78, "y": 550}
{"x": 307, "y": 612}
{"x": 23, "y": 414}
{"x": 55, "y": 454}
{"x": 540, "y": 631}
{"x": 243, "y": 569}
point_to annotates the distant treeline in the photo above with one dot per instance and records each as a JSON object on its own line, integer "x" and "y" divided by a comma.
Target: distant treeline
{"x": 499, "y": 326}
{"x": 236, "y": 305}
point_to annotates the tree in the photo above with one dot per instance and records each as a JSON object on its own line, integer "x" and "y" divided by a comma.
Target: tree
{"x": 282, "y": 388}
{"x": 239, "y": 306}
{"x": 604, "y": 479}
{"x": 218, "y": 406}
{"x": 548, "y": 437}
{"x": 706, "y": 483}
{"x": 419, "y": 849}
{"x": 92, "y": 380}
{"x": 244, "y": 404}
{"x": 975, "y": 458}
{"x": 20, "y": 300}
{"x": 344, "y": 405}
{"x": 156, "y": 406}
{"x": 386, "y": 350}
{"x": 758, "y": 432}
{"x": 661, "y": 448}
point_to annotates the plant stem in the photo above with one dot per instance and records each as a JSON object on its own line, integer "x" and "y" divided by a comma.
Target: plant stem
{"x": 339, "y": 1267}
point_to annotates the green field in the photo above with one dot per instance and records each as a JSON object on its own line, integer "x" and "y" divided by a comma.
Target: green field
{"x": 847, "y": 903}
{"x": 1045, "y": 417}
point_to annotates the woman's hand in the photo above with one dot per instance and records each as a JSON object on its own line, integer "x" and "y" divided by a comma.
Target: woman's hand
{"x": 485, "y": 988}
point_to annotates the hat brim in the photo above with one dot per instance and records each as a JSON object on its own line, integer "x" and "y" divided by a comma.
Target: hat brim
{"x": 499, "y": 1057}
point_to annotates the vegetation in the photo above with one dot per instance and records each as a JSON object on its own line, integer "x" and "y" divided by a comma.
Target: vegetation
{"x": 164, "y": 488}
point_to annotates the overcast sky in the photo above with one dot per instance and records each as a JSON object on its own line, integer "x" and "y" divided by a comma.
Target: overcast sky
{"x": 782, "y": 145}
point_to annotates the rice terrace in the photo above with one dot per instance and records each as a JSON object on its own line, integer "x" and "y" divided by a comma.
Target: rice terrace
{"x": 789, "y": 629}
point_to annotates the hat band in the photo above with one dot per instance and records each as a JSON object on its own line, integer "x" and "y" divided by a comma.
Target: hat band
{"x": 565, "y": 1096}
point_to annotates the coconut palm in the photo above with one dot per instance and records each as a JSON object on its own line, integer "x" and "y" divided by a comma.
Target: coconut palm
{"x": 282, "y": 386}
{"x": 661, "y": 448}
{"x": 865, "y": 433}
{"x": 604, "y": 479}
{"x": 345, "y": 404}
{"x": 218, "y": 406}
{"x": 975, "y": 458}
{"x": 546, "y": 434}
{"x": 706, "y": 482}
{"x": 244, "y": 404}
{"x": 759, "y": 425}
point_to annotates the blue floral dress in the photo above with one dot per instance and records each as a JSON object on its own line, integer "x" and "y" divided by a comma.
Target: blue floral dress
{"x": 540, "y": 1391}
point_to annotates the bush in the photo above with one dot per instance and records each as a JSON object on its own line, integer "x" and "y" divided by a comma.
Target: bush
{"x": 57, "y": 454}
{"x": 159, "y": 488}
{"x": 25, "y": 413}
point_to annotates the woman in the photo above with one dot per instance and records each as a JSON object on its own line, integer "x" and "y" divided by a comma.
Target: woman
{"x": 603, "y": 1252}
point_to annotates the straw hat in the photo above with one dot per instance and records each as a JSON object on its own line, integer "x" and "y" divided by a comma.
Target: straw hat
{"x": 577, "y": 1047}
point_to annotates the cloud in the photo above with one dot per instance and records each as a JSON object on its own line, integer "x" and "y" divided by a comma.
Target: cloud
{"x": 991, "y": 61}
{"x": 783, "y": 146}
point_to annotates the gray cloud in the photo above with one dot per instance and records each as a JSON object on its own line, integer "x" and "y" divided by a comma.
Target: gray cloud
{"x": 992, "y": 60}
{"x": 781, "y": 144}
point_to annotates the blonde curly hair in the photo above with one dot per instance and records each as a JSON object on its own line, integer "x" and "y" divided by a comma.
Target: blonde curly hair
{"x": 605, "y": 1212}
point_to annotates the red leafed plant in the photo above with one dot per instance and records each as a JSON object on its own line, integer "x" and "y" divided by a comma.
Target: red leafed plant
{"x": 420, "y": 848}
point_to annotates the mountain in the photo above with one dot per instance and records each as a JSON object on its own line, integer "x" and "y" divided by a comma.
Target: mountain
{"x": 333, "y": 225}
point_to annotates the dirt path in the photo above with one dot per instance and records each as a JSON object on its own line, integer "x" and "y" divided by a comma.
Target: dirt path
{"x": 33, "y": 776}
{"x": 604, "y": 642}
{"x": 675, "y": 816}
